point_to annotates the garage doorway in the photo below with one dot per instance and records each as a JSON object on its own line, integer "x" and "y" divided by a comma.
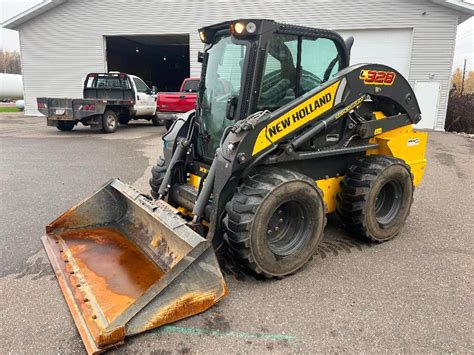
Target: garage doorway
{"x": 389, "y": 46}
{"x": 160, "y": 60}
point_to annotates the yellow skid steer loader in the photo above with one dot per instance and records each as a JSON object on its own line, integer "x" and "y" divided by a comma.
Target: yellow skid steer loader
{"x": 284, "y": 132}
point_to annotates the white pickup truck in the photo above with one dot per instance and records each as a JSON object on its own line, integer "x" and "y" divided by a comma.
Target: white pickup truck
{"x": 108, "y": 99}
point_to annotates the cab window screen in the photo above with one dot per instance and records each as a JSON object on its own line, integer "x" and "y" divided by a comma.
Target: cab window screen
{"x": 279, "y": 77}
{"x": 295, "y": 65}
{"x": 319, "y": 62}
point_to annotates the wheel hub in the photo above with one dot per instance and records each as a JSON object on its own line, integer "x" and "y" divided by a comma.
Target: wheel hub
{"x": 288, "y": 230}
{"x": 110, "y": 121}
{"x": 388, "y": 202}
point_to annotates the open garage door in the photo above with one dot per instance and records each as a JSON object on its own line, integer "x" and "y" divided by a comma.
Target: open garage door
{"x": 160, "y": 60}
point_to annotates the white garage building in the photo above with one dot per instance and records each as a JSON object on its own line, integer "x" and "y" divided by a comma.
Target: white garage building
{"x": 63, "y": 40}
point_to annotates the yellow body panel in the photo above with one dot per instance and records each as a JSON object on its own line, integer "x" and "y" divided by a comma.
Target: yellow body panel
{"x": 330, "y": 187}
{"x": 379, "y": 115}
{"x": 404, "y": 143}
{"x": 194, "y": 180}
{"x": 308, "y": 110}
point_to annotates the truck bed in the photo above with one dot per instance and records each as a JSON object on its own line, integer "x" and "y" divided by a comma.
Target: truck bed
{"x": 76, "y": 109}
{"x": 175, "y": 102}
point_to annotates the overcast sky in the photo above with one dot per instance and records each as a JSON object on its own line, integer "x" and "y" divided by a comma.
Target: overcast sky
{"x": 9, "y": 39}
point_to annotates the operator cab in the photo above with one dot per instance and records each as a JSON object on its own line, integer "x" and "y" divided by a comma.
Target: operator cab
{"x": 257, "y": 65}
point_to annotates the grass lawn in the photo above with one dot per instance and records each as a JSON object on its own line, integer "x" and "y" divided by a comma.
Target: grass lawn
{"x": 9, "y": 109}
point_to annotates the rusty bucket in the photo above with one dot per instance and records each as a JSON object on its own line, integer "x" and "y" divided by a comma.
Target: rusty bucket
{"x": 126, "y": 265}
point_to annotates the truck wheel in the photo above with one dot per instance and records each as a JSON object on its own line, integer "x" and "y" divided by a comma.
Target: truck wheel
{"x": 156, "y": 121}
{"x": 109, "y": 122}
{"x": 275, "y": 221}
{"x": 157, "y": 175}
{"x": 123, "y": 119}
{"x": 375, "y": 197}
{"x": 168, "y": 124}
{"x": 66, "y": 126}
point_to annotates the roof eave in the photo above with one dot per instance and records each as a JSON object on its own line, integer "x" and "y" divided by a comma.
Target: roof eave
{"x": 46, "y": 5}
{"x": 458, "y": 5}
{"x": 31, "y": 13}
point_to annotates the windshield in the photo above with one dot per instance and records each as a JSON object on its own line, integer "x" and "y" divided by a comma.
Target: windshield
{"x": 223, "y": 80}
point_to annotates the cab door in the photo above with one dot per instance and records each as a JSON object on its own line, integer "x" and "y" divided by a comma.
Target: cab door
{"x": 144, "y": 98}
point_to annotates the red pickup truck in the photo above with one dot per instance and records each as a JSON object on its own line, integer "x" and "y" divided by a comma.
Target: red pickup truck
{"x": 169, "y": 104}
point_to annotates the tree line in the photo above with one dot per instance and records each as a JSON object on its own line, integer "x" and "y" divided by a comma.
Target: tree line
{"x": 459, "y": 116}
{"x": 10, "y": 62}
{"x": 468, "y": 81}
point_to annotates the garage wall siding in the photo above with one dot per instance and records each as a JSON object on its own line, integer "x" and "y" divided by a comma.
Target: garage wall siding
{"x": 61, "y": 46}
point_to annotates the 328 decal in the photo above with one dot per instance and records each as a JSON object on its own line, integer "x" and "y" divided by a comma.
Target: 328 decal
{"x": 377, "y": 77}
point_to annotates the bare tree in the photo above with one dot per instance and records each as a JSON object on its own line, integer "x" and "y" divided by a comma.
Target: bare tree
{"x": 468, "y": 81}
{"x": 10, "y": 62}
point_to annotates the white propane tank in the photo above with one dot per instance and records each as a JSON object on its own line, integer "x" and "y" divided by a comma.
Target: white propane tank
{"x": 11, "y": 86}
{"x": 20, "y": 104}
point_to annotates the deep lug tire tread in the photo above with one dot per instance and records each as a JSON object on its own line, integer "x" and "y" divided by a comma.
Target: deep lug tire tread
{"x": 157, "y": 174}
{"x": 354, "y": 191}
{"x": 242, "y": 208}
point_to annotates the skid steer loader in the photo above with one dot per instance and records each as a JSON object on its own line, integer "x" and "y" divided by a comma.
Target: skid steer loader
{"x": 284, "y": 133}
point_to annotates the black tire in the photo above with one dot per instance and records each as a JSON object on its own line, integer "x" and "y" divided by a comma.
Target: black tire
{"x": 375, "y": 197}
{"x": 66, "y": 126}
{"x": 123, "y": 119}
{"x": 109, "y": 121}
{"x": 157, "y": 174}
{"x": 275, "y": 221}
{"x": 156, "y": 121}
{"x": 168, "y": 124}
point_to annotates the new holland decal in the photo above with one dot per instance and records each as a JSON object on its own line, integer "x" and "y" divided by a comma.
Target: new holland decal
{"x": 377, "y": 77}
{"x": 307, "y": 111}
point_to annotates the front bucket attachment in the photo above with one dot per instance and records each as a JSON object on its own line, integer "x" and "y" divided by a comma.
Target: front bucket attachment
{"x": 126, "y": 265}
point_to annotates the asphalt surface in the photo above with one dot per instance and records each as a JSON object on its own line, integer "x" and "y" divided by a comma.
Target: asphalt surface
{"x": 412, "y": 294}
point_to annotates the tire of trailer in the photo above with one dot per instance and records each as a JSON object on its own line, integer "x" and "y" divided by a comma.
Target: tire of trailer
{"x": 275, "y": 221}
{"x": 66, "y": 126}
{"x": 109, "y": 121}
{"x": 375, "y": 197}
{"x": 157, "y": 174}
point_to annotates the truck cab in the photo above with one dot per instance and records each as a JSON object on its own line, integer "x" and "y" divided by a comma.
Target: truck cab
{"x": 144, "y": 97}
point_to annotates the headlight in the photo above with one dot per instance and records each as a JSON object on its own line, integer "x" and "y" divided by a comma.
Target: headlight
{"x": 202, "y": 36}
{"x": 251, "y": 27}
{"x": 239, "y": 27}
